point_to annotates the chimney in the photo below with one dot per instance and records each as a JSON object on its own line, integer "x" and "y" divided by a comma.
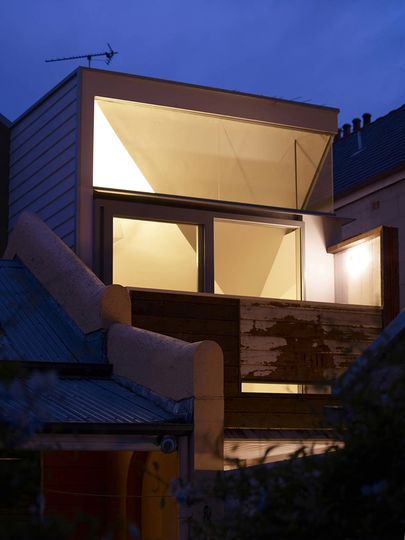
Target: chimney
{"x": 356, "y": 124}
{"x": 338, "y": 135}
{"x": 346, "y": 130}
{"x": 366, "y": 119}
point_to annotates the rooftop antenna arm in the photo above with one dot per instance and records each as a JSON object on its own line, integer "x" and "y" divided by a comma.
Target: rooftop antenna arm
{"x": 108, "y": 55}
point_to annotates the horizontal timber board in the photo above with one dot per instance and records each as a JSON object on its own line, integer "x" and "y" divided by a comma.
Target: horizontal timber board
{"x": 256, "y": 328}
{"x": 286, "y": 420}
{"x": 279, "y": 403}
{"x": 304, "y": 304}
{"x": 289, "y": 356}
{"x": 165, "y": 325}
{"x": 193, "y": 298}
{"x": 371, "y": 319}
{"x": 184, "y": 309}
{"x": 275, "y": 346}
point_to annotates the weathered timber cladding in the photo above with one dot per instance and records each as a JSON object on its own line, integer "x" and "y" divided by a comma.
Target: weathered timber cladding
{"x": 274, "y": 411}
{"x": 265, "y": 340}
{"x": 43, "y": 149}
{"x": 194, "y": 318}
{"x": 303, "y": 341}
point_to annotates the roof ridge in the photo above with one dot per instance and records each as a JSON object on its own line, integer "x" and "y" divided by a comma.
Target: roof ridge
{"x": 378, "y": 119}
{"x": 182, "y": 408}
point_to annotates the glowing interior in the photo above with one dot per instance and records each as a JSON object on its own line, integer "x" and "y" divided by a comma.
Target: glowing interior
{"x": 155, "y": 255}
{"x": 256, "y": 259}
{"x": 250, "y": 259}
{"x": 252, "y": 451}
{"x": 163, "y": 150}
{"x": 285, "y": 388}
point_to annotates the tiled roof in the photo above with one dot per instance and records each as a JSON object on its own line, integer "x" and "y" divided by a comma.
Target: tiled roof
{"x": 33, "y": 327}
{"x": 370, "y": 152}
{"x": 85, "y": 400}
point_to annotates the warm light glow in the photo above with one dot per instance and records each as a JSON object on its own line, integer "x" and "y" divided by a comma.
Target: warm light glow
{"x": 285, "y": 388}
{"x": 358, "y": 259}
{"x": 358, "y": 273}
{"x": 159, "y": 149}
{"x": 112, "y": 162}
{"x": 254, "y": 450}
{"x": 271, "y": 388}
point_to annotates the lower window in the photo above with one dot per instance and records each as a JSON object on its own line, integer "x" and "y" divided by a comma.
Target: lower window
{"x": 236, "y": 256}
{"x": 257, "y": 259}
{"x": 155, "y": 255}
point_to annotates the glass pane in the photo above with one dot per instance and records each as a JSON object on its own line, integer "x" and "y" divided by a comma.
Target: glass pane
{"x": 255, "y": 259}
{"x": 155, "y": 255}
{"x": 159, "y": 149}
{"x": 286, "y": 388}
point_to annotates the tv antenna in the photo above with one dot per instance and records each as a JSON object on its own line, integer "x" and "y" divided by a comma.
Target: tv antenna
{"x": 108, "y": 56}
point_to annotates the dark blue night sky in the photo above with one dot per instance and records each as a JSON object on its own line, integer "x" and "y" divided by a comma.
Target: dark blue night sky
{"x": 348, "y": 54}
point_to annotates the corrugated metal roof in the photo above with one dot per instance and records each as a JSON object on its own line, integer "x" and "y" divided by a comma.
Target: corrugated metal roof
{"x": 33, "y": 327}
{"x": 373, "y": 150}
{"x": 47, "y": 399}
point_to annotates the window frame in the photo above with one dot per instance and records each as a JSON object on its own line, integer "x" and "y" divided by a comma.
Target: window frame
{"x": 172, "y": 209}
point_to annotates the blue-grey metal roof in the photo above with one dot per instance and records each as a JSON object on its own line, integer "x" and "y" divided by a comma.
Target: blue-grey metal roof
{"x": 47, "y": 399}
{"x": 33, "y": 327}
{"x": 369, "y": 152}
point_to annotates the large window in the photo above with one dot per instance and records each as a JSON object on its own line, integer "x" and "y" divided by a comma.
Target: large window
{"x": 156, "y": 149}
{"x": 187, "y": 250}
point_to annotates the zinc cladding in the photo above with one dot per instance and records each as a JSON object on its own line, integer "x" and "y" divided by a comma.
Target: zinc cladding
{"x": 370, "y": 152}
{"x": 34, "y": 328}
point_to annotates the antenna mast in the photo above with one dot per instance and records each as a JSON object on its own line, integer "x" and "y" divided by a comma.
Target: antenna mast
{"x": 108, "y": 55}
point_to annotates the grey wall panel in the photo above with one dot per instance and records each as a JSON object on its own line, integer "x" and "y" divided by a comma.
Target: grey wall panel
{"x": 26, "y": 125}
{"x": 42, "y": 157}
{"x": 67, "y": 237}
{"x": 22, "y": 196}
{"x": 43, "y": 139}
{"x": 43, "y": 152}
{"x": 55, "y": 169}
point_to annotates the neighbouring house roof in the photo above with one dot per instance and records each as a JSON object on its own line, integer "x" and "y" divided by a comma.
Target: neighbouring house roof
{"x": 367, "y": 154}
{"x": 69, "y": 385}
{"x": 78, "y": 402}
{"x": 33, "y": 327}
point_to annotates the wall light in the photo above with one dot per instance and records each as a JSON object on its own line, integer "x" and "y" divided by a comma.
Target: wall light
{"x": 358, "y": 259}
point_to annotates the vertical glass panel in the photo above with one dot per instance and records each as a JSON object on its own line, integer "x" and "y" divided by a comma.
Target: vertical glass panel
{"x": 164, "y": 150}
{"x": 255, "y": 259}
{"x": 319, "y": 195}
{"x": 155, "y": 255}
{"x": 358, "y": 273}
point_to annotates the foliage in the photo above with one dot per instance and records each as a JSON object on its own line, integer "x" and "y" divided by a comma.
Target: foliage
{"x": 352, "y": 493}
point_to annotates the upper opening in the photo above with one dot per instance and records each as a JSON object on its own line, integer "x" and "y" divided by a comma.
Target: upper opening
{"x": 164, "y": 150}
